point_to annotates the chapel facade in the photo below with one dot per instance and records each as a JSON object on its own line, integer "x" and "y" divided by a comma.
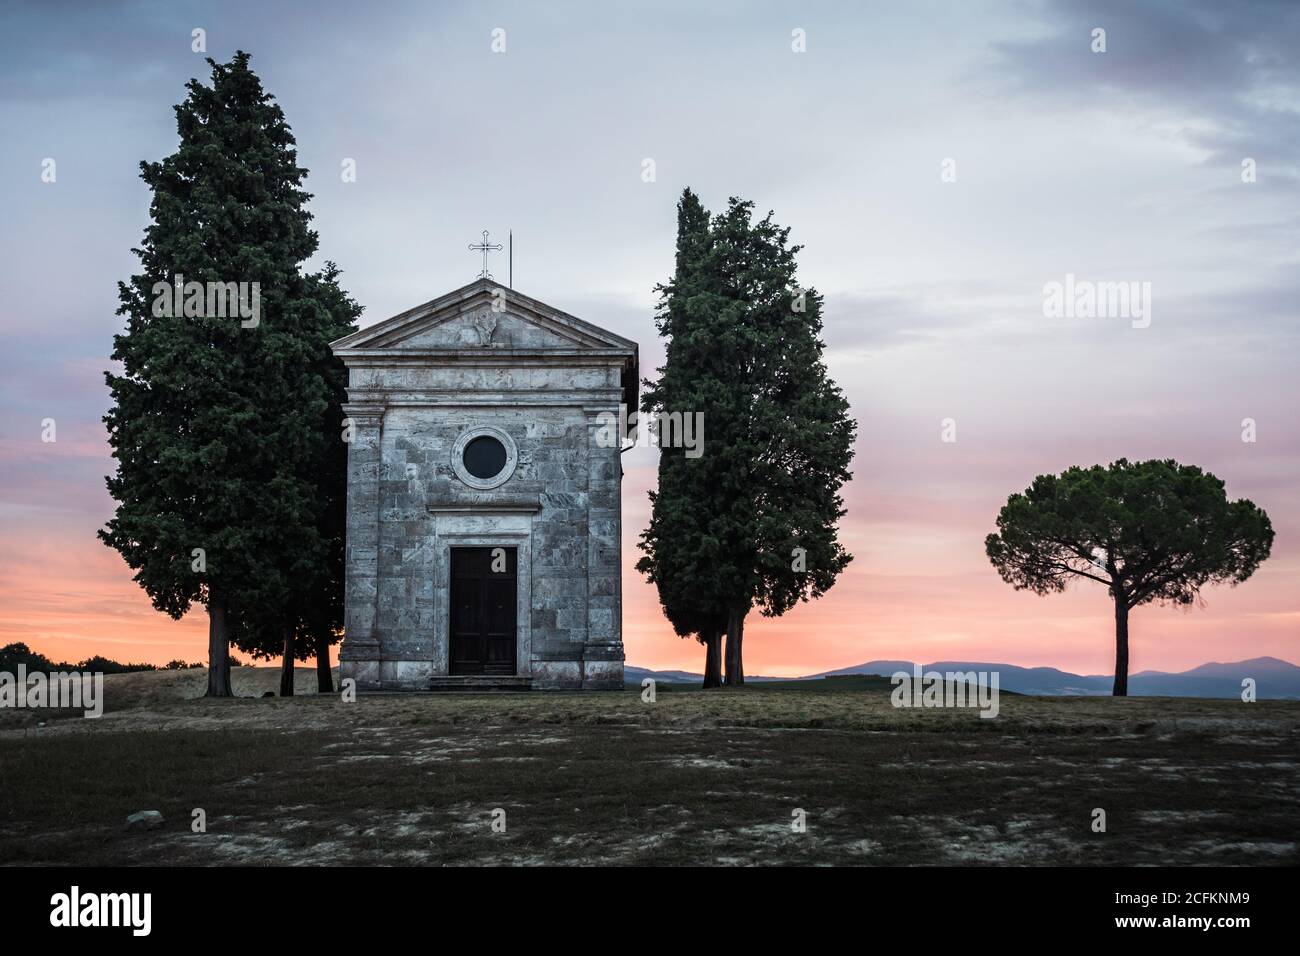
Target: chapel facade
{"x": 484, "y": 496}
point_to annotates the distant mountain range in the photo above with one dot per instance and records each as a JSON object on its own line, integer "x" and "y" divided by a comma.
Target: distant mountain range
{"x": 1274, "y": 679}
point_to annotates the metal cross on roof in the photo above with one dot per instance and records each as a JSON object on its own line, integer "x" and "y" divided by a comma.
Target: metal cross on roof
{"x": 485, "y": 247}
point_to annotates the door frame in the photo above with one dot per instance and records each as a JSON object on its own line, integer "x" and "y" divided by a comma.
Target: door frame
{"x": 472, "y": 531}
{"x": 480, "y": 584}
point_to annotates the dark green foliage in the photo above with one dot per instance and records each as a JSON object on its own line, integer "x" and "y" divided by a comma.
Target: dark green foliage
{"x": 678, "y": 543}
{"x": 1149, "y": 531}
{"x": 103, "y": 665}
{"x": 313, "y": 612}
{"x": 219, "y": 430}
{"x": 11, "y": 655}
{"x": 743, "y": 347}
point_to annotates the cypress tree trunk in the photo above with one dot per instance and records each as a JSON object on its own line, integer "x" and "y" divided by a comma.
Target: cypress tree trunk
{"x": 1121, "y": 648}
{"x": 324, "y": 679}
{"x": 286, "y": 664}
{"x": 735, "y": 637}
{"x": 218, "y": 649}
{"x": 713, "y": 659}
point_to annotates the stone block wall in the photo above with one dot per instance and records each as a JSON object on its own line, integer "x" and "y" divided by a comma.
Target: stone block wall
{"x": 565, "y": 496}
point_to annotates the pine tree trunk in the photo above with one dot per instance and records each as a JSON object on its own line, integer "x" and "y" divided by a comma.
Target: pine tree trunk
{"x": 1121, "y": 648}
{"x": 286, "y": 664}
{"x": 218, "y": 649}
{"x": 324, "y": 679}
{"x": 713, "y": 659}
{"x": 735, "y": 637}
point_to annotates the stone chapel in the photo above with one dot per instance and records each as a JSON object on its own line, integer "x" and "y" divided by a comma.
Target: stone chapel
{"x": 484, "y": 515}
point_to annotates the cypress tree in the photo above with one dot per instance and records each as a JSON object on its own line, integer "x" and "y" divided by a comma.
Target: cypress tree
{"x": 217, "y": 419}
{"x": 752, "y": 521}
{"x": 681, "y": 557}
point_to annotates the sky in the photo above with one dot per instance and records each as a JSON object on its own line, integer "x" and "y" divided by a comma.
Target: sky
{"x": 1122, "y": 165}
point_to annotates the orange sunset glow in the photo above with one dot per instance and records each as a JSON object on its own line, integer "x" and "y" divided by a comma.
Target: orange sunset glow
{"x": 919, "y": 588}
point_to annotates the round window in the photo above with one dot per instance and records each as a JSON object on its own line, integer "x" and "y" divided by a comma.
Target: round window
{"x": 484, "y": 457}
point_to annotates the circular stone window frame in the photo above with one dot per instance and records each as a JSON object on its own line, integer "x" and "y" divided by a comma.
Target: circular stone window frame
{"x": 501, "y": 477}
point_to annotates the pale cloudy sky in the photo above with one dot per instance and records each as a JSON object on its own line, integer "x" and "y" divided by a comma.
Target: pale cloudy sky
{"x": 1123, "y": 165}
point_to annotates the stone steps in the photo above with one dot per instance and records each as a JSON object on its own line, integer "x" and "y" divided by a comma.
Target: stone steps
{"x": 479, "y": 683}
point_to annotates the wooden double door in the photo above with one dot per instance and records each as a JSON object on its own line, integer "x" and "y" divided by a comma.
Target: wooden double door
{"x": 483, "y": 611}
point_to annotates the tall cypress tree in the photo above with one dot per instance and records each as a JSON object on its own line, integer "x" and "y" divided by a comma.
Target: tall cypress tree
{"x": 217, "y": 420}
{"x": 752, "y": 521}
{"x": 682, "y": 557}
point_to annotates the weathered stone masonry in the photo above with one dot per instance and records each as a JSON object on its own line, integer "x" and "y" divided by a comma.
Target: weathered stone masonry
{"x": 421, "y": 386}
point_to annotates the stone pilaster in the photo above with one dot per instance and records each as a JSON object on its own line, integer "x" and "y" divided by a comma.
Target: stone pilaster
{"x": 360, "y": 653}
{"x": 603, "y": 653}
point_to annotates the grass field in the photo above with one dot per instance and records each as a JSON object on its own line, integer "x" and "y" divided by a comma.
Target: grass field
{"x": 693, "y": 778}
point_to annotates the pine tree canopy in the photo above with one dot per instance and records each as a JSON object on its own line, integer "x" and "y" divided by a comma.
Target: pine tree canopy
{"x": 1150, "y": 531}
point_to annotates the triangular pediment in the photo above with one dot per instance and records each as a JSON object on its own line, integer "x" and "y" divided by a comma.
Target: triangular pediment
{"x": 482, "y": 315}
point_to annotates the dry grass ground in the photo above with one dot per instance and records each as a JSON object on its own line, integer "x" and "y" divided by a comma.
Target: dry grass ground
{"x": 693, "y": 778}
